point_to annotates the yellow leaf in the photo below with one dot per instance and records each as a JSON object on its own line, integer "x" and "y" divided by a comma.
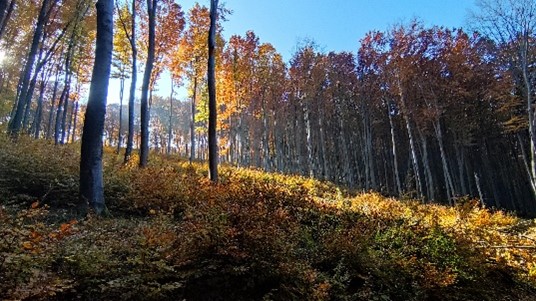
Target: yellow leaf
{"x": 27, "y": 245}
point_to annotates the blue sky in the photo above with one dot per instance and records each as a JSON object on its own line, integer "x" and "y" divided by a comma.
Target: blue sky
{"x": 335, "y": 25}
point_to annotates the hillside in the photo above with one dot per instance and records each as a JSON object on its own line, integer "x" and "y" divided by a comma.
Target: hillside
{"x": 254, "y": 236}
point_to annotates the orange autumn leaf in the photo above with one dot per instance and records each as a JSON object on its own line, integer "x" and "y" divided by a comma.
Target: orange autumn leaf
{"x": 27, "y": 245}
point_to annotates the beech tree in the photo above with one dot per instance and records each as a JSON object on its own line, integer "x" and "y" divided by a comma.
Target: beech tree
{"x": 212, "y": 120}
{"x": 127, "y": 18}
{"x": 91, "y": 173}
{"x": 144, "y": 147}
{"x": 191, "y": 59}
{"x": 44, "y": 13}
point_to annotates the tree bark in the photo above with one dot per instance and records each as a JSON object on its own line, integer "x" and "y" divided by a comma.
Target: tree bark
{"x": 144, "y": 114}
{"x": 212, "y": 119}
{"x": 52, "y": 103}
{"x": 16, "y": 124}
{"x": 91, "y": 170}
{"x": 192, "y": 121}
{"x": 39, "y": 112}
{"x": 415, "y": 162}
{"x": 121, "y": 94}
{"x": 394, "y": 152}
{"x": 6, "y": 17}
{"x": 132, "y": 96}
{"x": 170, "y": 129}
{"x": 76, "y": 107}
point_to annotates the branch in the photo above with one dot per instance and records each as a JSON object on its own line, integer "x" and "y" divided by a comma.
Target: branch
{"x": 123, "y": 24}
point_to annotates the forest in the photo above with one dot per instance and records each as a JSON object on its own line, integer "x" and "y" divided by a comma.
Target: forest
{"x": 403, "y": 170}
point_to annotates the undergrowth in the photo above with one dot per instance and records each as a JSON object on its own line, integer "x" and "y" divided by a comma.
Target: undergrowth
{"x": 254, "y": 236}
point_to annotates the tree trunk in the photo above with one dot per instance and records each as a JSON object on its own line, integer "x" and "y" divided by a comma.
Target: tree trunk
{"x": 526, "y": 163}
{"x": 132, "y": 96}
{"x": 523, "y": 56}
{"x": 6, "y": 17}
{"x": 170, "y": 129}
{"x": 308, "y": 138}
{"x": 16, "y": 123}
{"x": 415, "y": 162}
{"x": 446, "y": 171}
{"x": 121, "y": 94}
{"x": 91, "y": 171}
{"x": 39, "y": 112}
{"x": 76, "y": 107}
{"x": 31, "y": 88}
{"x": 52, "y": 103}
{"x": 192, "y": 121}
{"x": 212, "y": 108}
{"x": 144, "y": 114}
{"x": 428, "y": 178}
{"x": 65, "y": 111}
{"x": 61, "y": 106}
{"x": 396, "y": 173}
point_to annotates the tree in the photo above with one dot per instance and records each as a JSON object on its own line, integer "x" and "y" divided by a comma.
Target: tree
{"x": 512, "y": 23}
{"x": 169, "y": 25}
{"x": 144, "y": 148}
{"x": 190, "y": 60}
{"x": 212, "y": 120}
{"x": 5, "y": 14}
{"x": 121, "y": 62}
{"x": 131, "y": 36}
{"x": 44, "y": 13}
{"x": 91, "y": 169}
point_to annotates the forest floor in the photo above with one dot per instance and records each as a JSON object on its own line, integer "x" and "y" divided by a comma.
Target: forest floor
{"x": 254, "y": 236}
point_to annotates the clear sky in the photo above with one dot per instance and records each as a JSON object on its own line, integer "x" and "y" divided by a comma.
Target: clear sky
{"x": 336, "y": 25}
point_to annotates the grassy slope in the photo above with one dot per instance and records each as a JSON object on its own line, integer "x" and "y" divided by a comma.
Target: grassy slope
{"x": 255, "y": 236}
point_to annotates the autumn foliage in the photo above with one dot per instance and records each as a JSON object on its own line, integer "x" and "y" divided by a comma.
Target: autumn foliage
{"x": 254, "y": 236}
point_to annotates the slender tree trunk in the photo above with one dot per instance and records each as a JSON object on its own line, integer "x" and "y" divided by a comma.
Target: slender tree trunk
{"x": 16, "y": 122}
{"x": 132, "y": 96}
{"x": 121, "y": 94}
{"x": 61, "y": 107}
{"x": 460, "y": 159}
{"x": 65, "y": 111}
{"x": 444, "y": 162}
{"x": 526, "y": 164}
{"x": 192, "y": 121}
{"x": 394, "y": 152}
{"x": 76, "y": 107}
{"x": 212, "y": 108}
{"x": 415, "y": 162}
{"x": 144, "y": 114}
{"x": 170, "y": 129}
{"x": 308, "y": 137}
{"x": 368, "y": 150}
{"x": 3, "y": 10}
{"x": 91, "y": 173}
{"x": 6, "y": 17}
{"x": 72, "y": 116}
{"x": 31, "y": 88}
{"x": 52, "y": 103}
{"x": 39, "y": 112}
{"x": 430, "y": 191}
{"x": 325, "y": 174}
{"x": 523, "y": 56}
{"x": 265, "y": 138}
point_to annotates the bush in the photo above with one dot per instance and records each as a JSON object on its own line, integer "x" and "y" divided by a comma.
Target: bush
{"x": 254, "y": 236}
